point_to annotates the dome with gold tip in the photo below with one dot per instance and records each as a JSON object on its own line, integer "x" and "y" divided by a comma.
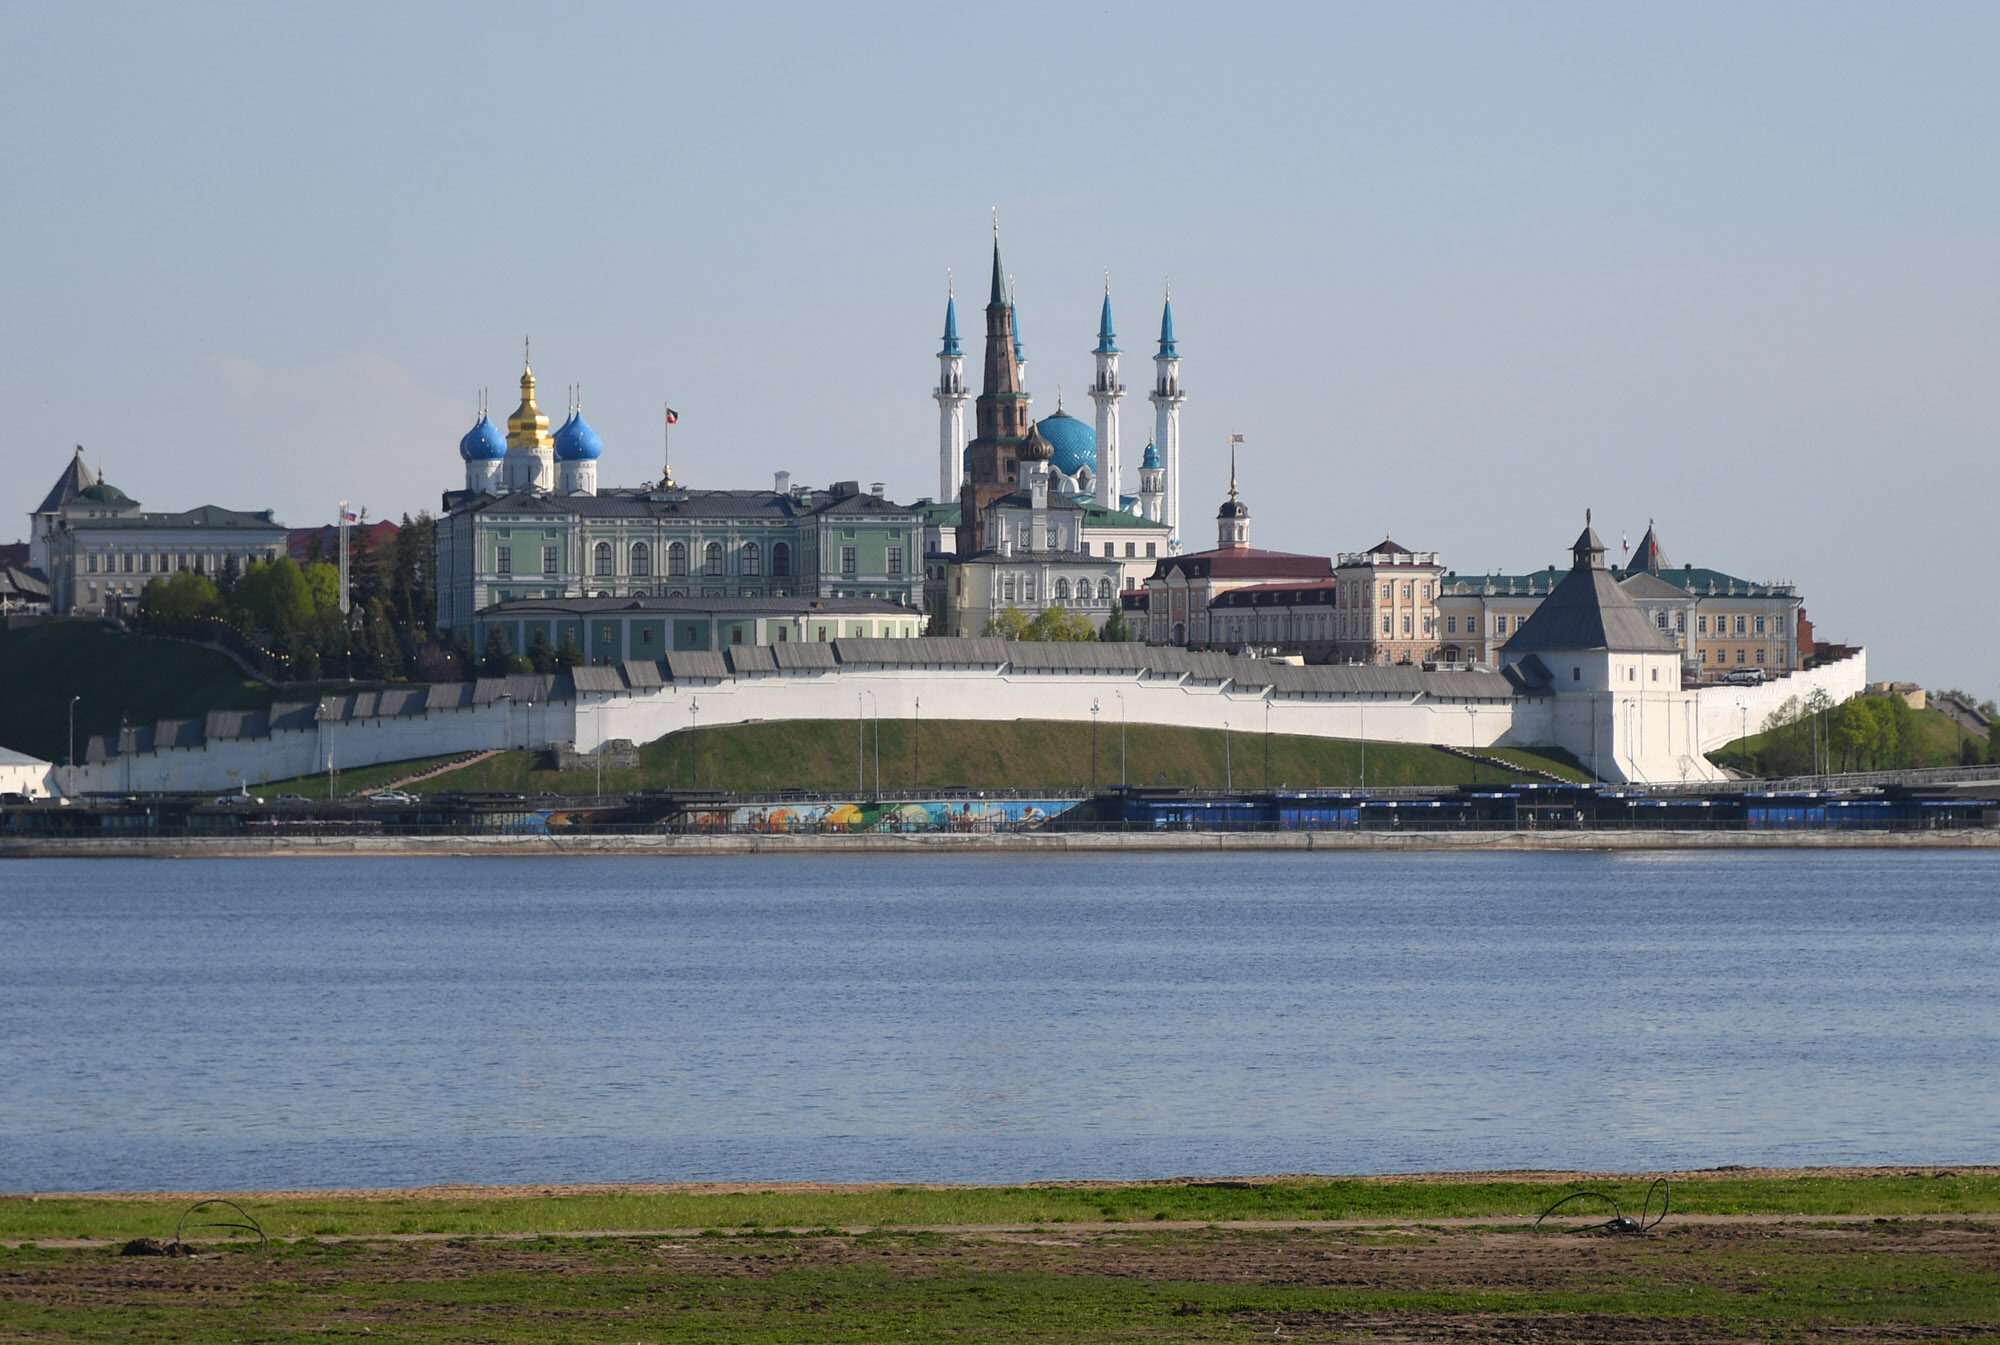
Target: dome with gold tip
{"x": 528, "y": 428}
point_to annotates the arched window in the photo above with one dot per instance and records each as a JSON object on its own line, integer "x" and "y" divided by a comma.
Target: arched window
{"x": 1083, "y": 589}
{"x": 601, "y": 559}
{"x": 712, "y": 559}
{"x": 753, "y": 559}
{"x": 781, "y": 559}
{"x": 1104, "y": 590}
{"x": 1062, "y": 590}
{"x": 677, "y": 558}
{"x": 642, "y": 559}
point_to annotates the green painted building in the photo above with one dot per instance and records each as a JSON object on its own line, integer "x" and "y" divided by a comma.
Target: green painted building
{"x": 615, "y": 630}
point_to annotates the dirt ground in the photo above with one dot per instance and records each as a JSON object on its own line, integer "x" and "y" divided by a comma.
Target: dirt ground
{"x": 1944, "y": 1272}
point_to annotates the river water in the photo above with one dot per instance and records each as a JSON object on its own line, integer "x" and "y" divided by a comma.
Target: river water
{"x": 283, "y": 1023}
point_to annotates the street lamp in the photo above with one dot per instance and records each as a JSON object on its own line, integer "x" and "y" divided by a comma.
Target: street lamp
{"x": 1121, "y": 737}
{"x": 72, "y": 742}
{"x": 1228, "y": 776}
{"x": 1267, "y": 743}
{"x": 916, "y": 743}
{"x": 878, "y": 742}
{"x": 1472, "y": 739}
{"x": 1093, "y": 742}
{"x": 860, "y": 745}
{"x": 694, "y": 709}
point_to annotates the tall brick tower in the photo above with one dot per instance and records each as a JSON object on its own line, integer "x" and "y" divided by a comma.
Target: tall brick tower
{"x": 1000, "y": 416}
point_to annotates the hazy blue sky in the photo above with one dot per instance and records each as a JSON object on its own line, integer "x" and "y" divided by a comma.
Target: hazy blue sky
{"x": 1455, "y": 272}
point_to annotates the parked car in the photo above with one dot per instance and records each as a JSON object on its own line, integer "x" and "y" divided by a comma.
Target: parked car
{"x": 227, "y": 799}
{"x": 391, "y": 796}
{"x": 1744, "y": 676}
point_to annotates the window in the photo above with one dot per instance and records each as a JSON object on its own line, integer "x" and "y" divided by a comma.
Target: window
{"x": 1656, "y": 674}
{"x": 822, "y": 633}
{"x": 600, "y": 559}
{"x": 1406, "y": 591}
{"x": 1739, "y": 653}
{"x": 1027, "y": 588}
{"x": 166, "y": 562}
{"x": 1681, "y": 622}
{"x": 1660, "y": 619}
{"x": 642, "y": 560}
{"x": 711, "y": 558}
{"x": 1704, "y": 656}
{"x": 1451, "y": 625}
{"x": 784, "y": 635}
{"x": 1760, "y": 656}
{"x": 1385, "y": 593}
{"x": 1740, "y": 624}
{"x": 753, "y": 559}
{"x": 849, "y": 561}
{"x": 1576, "y": 674}
{"x": 1104, "y": 590}
{"x": 503, "y": 559}
{"x": 1023, "y": 535}
{"x": 1701, "y": 625}
{"x": 128, "y": 562}
{"x": 1062, "y": 590}
{"x": 1499, "y": 625}
{"x": 1130, "y": 549}
{"x": 91, "y": 563}
{"x": 781, "y": 559}
{"x": 895, "y": 560}
{"x": 1151, "y": 549}
{"x": 677, "y": 558}
{"x": 736, "y": 635}
{"x": 1110, "y": 548}
{"x": 548, "y": 560}
{"x": 1760, "y": 625}
{"x": 1385, "y": 624}
{"x": 1427, "y": 591}
{"x": 146, "y": 563}
{"x": 1007, "y": 589}
{"x": 1406, "y": 624}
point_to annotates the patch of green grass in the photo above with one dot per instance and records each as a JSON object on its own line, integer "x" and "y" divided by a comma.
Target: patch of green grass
{"x": 1389, "y": 1200}
{"x": 120, "y": 679}
{"x": 1016, "y": 754}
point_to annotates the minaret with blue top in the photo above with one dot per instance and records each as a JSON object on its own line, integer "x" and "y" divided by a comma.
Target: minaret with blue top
{"x": 1107, "y": 392}
{"x": 1152, "y": 488}
{"x": 951, "y": 395}
{"x": 1166, "y": 398}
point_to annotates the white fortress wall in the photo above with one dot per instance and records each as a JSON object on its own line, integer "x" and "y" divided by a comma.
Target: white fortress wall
{"x": 1726, "y": 709}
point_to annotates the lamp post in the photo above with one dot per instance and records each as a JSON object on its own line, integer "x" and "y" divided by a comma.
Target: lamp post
{"x": 1093, "y": 742}
{"x": 72, "y": 743}
{"x": 694, "y": 709}
{"x": 1267, "y": 743}
{"x": 1228, "y": 776}
{"x": 878, "y": 741}
{"x": 916, "y": 743}
{"x": 860, "y": 745}
{"x": 1364, "y": 742}
{"x": 1472, "y": 739}
{"x": 1121, "y": 738}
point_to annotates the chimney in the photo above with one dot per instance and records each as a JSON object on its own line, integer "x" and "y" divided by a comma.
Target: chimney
{"x": 782, "y": 483}
{"x": 875, "y": 489}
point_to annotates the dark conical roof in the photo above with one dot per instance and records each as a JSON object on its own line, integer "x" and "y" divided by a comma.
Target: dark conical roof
{"x": 1649, "y": 557}
{"x": 74, "y": 479}
{"x": 1588, "y": 610}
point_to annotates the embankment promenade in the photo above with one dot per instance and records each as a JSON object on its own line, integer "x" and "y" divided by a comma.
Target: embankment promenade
{"x": 1018, "y": 842}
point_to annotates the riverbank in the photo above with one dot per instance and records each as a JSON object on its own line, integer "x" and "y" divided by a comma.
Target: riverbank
{"x": 1011, "y": 842}
{"x": 1899, "y": 1254}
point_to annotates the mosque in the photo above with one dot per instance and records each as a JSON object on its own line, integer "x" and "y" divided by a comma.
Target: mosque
{"x": 1086, "y": 463}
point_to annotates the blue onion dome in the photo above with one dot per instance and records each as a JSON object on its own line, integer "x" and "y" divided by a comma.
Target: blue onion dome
{"x": 1075, "y": 443}
{"x": 483, "y": 442}
{"x": 1151, "y": 461}
{"x": 576, "y": 441}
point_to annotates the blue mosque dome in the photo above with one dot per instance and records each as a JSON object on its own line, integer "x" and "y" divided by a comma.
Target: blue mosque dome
{"x": 1152, "y": 459}
{"x": 1075, "y": 443}
{"x": 576, "y": 441}
{"x": 483, "y": 442}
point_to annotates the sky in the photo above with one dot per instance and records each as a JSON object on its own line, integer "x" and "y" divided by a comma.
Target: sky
{"x": 1455, "y": 272}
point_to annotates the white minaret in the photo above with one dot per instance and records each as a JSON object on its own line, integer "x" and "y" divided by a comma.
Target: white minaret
{"x": 1152, "y": 489}
{"x": 951, "y": 398}
{"x": 1107, "y": 392}
{"x": 1166, "y": 398}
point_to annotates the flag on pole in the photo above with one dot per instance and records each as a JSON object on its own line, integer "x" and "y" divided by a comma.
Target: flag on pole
{"x": 1625, "y": 543}
{"x": 346, "y": 517}
{"x": 673, "y": 416}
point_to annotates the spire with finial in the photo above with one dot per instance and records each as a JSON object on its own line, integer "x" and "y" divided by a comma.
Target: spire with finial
{"x": 951, "y": 342}
{"x": 1168, "y": 350}
{"x": 1107, "y": 339}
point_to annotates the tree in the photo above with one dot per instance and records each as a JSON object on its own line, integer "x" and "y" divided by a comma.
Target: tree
{"x": 1115, "y": 629}
{"x": 542, "y": 654}
{"x": 568, "y": 655}
{"x": 1010, "y": 624}
{"x": 275, "y": 595}
{"x": 1060, "y": 625}
{"x": 499, "y": 651}
{"x": 181, "y": 597}
{"x": 413, "y": 578}
{"x": 323, "y": 582}
{"x": 226, "y": 577}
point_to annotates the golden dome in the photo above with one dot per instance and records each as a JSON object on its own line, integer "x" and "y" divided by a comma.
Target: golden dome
{"x": 528, "y": 428}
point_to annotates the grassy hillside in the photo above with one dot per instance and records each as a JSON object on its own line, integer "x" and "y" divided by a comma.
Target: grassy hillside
{"x": 121, "y": 678}
{"x": 1019, "y": 754}
{"x": 1937, "y": 740}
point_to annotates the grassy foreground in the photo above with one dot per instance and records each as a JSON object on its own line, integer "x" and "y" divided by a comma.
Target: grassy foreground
{"x": 1012, "y": 754}
{"x": 745, "y": 1279}
{"x": 488, "y": 1211}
